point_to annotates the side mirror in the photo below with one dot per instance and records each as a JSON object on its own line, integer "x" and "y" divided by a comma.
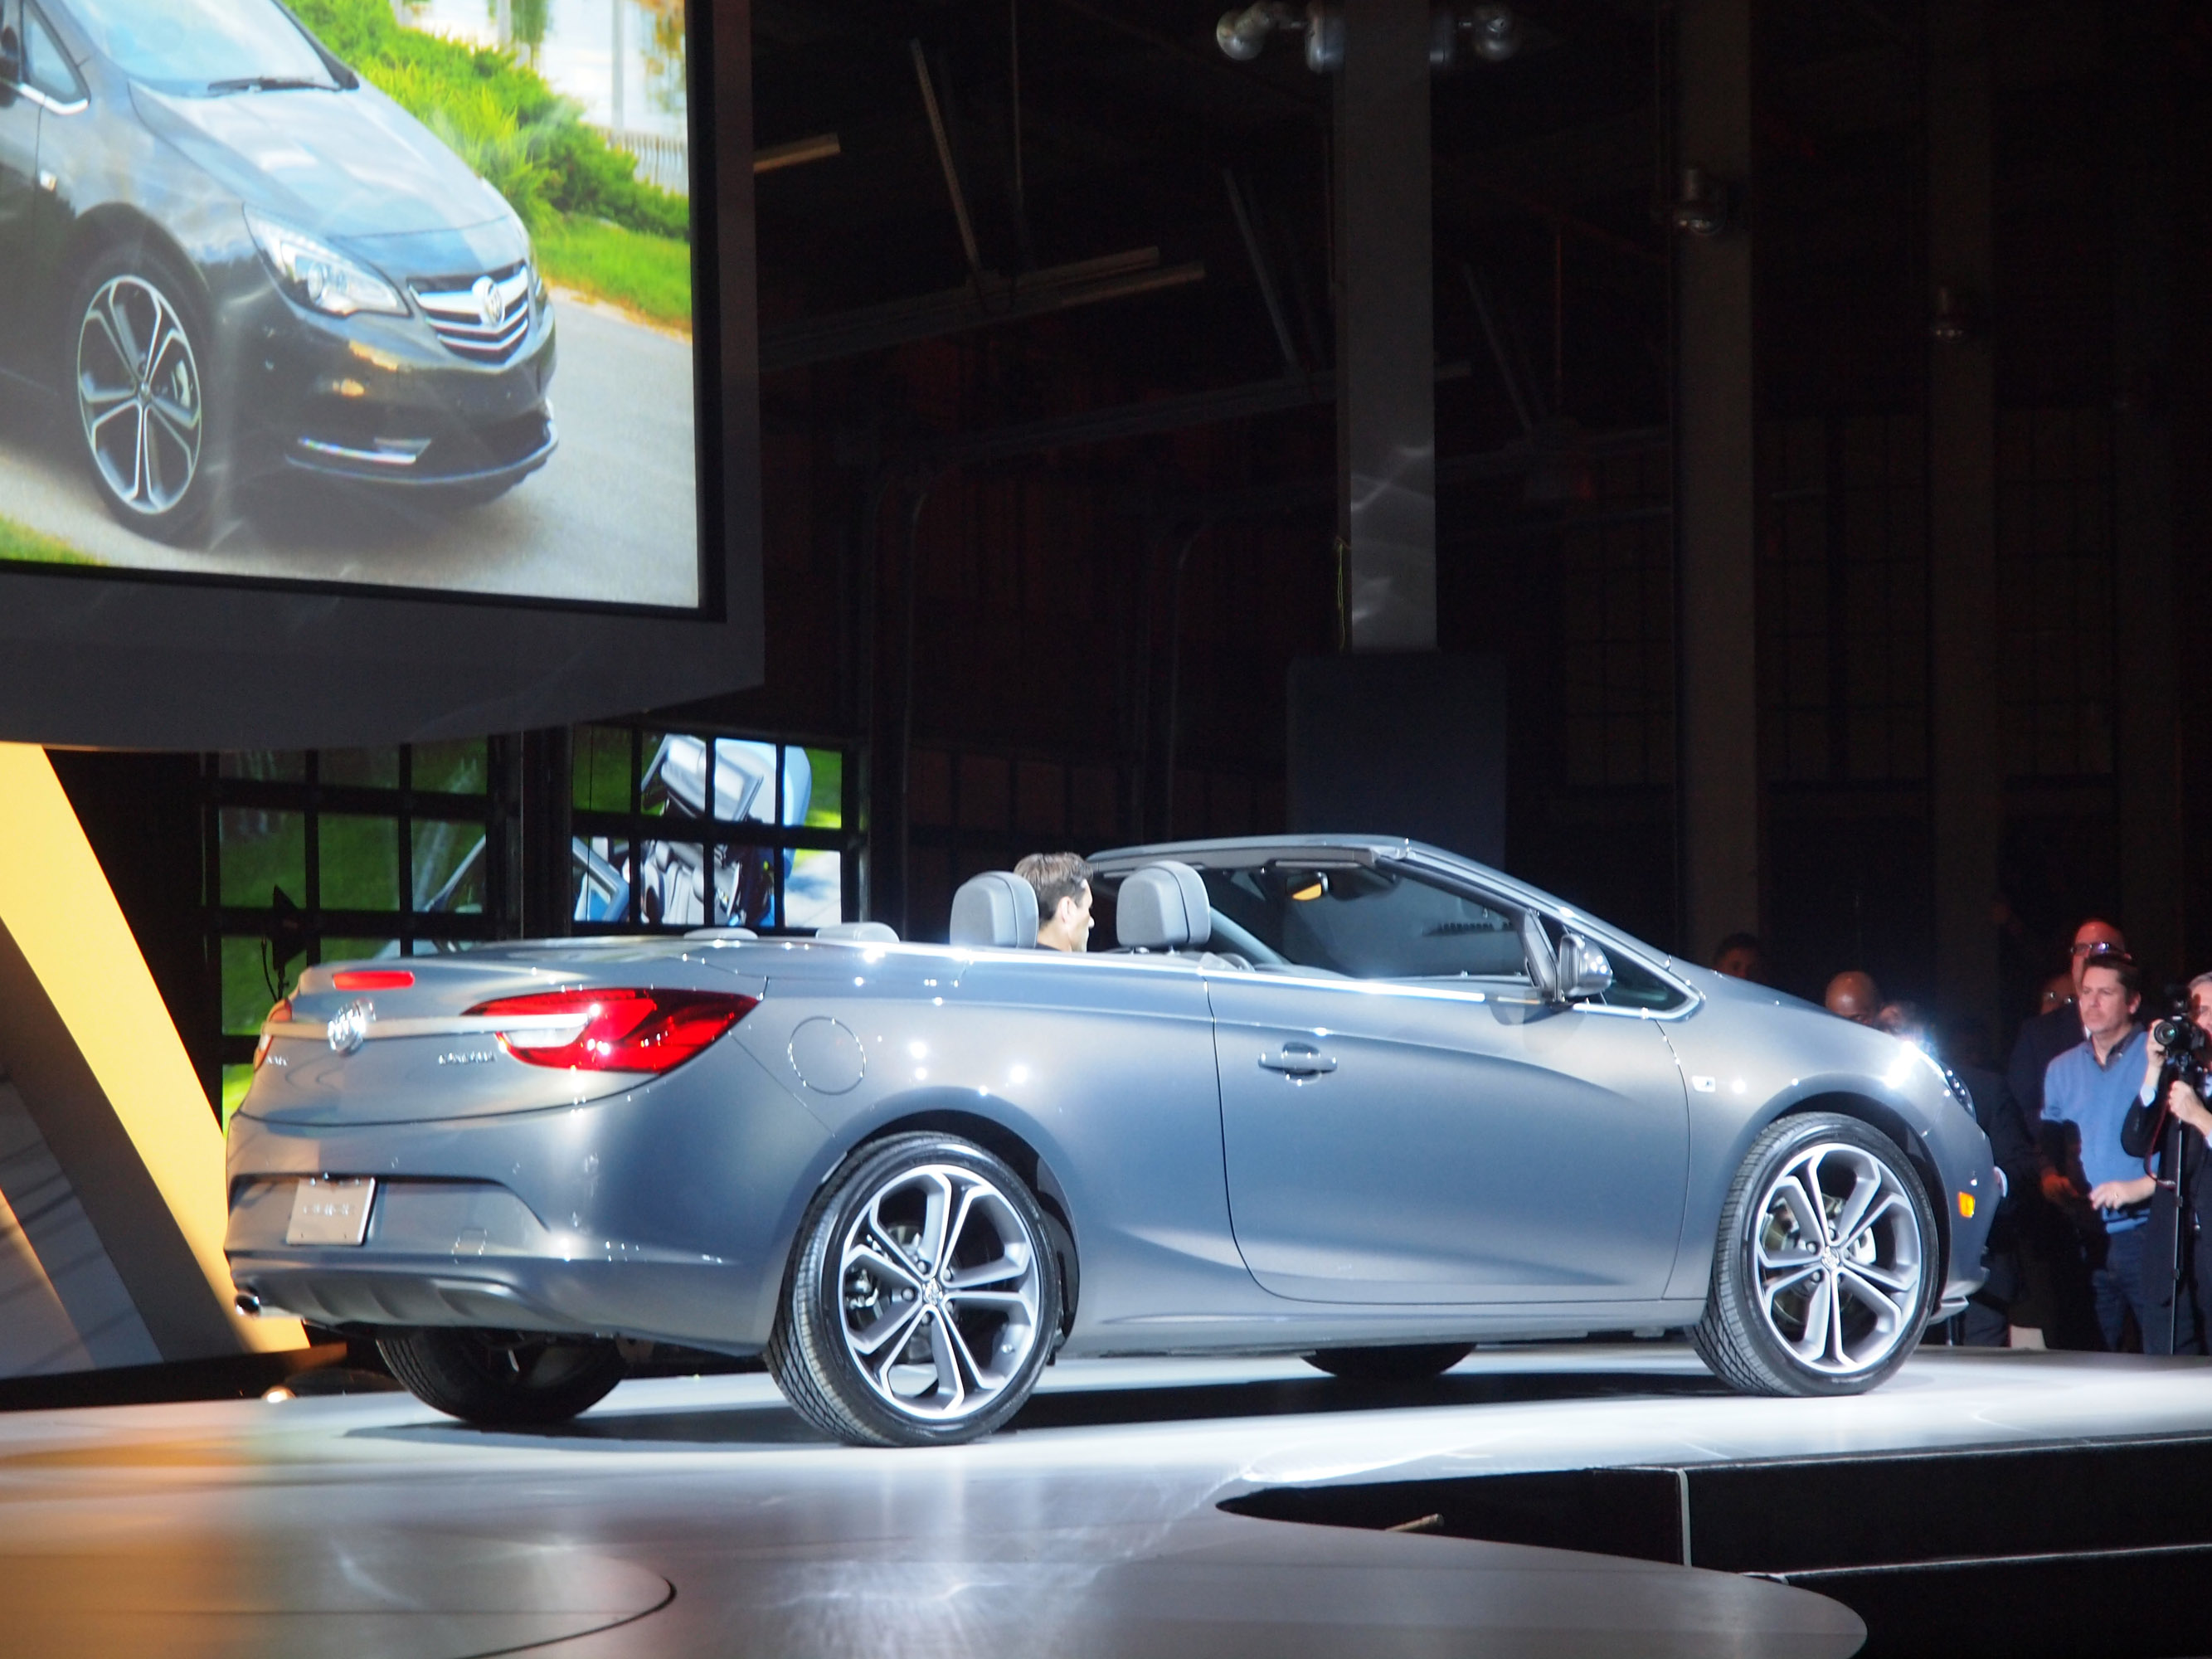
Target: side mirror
{"x": 1583, "y": 970}
{"x": 11, "y": 57}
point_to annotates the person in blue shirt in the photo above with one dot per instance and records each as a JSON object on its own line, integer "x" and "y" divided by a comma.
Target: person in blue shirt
{"x": 2087, "y": 1093}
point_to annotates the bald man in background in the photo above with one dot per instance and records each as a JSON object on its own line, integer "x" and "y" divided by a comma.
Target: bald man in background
{"x": 1853, "y": 995}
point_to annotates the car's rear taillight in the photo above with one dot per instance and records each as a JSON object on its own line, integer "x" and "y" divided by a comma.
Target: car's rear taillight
{"x": 372, "y": 979}
{"x": 280, "y": 1015}
{"x": 613, "y": 1031}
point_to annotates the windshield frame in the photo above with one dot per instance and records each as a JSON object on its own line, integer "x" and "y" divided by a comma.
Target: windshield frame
{"x": 1478, "y": 881}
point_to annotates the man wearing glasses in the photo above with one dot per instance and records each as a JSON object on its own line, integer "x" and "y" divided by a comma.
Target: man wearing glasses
{"x": 2051, "y": 1033}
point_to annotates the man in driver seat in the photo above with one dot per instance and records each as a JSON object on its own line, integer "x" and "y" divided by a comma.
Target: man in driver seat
{"x": 1062, "y": 881}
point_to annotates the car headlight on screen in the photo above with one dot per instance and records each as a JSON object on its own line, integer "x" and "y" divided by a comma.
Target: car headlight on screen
{"x": 318, "y": 275}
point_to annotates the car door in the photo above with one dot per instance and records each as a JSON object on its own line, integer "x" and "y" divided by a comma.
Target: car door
{"x": 19, "y": 163}
{"x": 1428, "y": 1127}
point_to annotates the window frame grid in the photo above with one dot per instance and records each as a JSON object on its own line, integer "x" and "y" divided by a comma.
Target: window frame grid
{"x": 635, "y": 828}
{"x": 312, "y": 800}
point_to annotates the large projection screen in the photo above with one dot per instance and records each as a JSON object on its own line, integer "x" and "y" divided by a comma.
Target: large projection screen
{"x": 373, "y": 369}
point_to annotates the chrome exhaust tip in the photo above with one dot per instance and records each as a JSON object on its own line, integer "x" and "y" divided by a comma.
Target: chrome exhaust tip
{"x": 249, "y": 1305}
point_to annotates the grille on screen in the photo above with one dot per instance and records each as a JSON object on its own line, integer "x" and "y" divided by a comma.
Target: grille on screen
{"x": 482, "y": 318}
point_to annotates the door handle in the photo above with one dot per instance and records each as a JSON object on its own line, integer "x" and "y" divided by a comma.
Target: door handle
{"x": 1299, "y": 1059}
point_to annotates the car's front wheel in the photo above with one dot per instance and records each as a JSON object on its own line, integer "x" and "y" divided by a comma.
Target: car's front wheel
{"x": 140, "y": 369}
{"x": 923, "y": 1299}
{"x": 503, "y": 1379}
{"x": 1825, "y": 1262}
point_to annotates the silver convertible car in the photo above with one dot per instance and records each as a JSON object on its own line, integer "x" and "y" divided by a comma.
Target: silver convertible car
{"x": 1347, "y": 1097}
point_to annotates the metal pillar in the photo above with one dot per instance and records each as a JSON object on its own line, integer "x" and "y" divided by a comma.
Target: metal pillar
{"x": 1386, "y": 328}
{"x": 1966, "y": 781}
{"x": 1717, "y": 714}
{"x": 547, "y": 785}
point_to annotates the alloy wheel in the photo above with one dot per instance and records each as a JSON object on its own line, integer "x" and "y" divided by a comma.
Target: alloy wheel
{"x": 1837, "y": 1255}
{"x": 139, "y": 395}
{"x": 940, "y": 1282}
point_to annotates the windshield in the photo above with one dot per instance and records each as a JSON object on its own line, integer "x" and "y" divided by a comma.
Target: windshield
{"x": 1378, "y": 922}
{"x": 204, "y": 46}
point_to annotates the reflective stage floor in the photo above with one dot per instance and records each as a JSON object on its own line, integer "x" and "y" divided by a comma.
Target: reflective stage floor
{"x": 700, "y": 1516}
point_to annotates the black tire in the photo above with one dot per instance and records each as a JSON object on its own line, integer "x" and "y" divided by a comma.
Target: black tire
{"x": 860, "y": 1273}
{"x": 153, "y": 432}
{"x": 503, "y": 1379}
{"x": 1390, "y": 1365}
{"x": 1891, "y": 1279}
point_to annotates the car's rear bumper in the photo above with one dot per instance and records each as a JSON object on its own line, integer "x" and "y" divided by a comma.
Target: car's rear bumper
{"x": 663, "y": 1211}
{"x": 473, "y": 1253}
{"x": 663, "y": 1302}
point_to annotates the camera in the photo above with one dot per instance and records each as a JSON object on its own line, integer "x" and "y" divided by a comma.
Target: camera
{"x": 2179, "y": 1035}
{"x": 2188, "y": 1060}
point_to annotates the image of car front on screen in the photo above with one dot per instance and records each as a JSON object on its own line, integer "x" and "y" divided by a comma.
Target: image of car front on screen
{"x": 231, "y": 257}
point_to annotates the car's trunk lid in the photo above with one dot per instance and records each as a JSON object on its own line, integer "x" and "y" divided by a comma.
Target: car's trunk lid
{"x": 361, "y": 1048}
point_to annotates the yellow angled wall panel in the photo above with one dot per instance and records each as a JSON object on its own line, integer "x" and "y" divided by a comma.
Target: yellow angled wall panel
{"x": 127, "y": 1093}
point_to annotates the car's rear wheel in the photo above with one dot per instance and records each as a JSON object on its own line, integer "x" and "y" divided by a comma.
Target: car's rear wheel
{"x": 140, "y": 371}
{"x": 1825, "y": 1265}
{"x": 503, "y": 1379}
{"x": 923, "y": 1297}
{"x": 1390, "y": 1365}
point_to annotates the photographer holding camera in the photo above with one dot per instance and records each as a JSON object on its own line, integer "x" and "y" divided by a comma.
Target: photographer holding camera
{"x": 2176, "y": 1266}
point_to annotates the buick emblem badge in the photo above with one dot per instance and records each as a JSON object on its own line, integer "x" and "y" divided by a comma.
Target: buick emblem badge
{"x": 485, "y": 293}
{"x": 349, "y": 1026}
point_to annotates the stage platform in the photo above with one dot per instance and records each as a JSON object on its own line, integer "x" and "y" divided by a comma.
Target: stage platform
{"x": 700, "y": 1516}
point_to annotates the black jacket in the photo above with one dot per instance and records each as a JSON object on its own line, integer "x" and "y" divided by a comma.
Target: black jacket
{"x": 2041, "y": 1041}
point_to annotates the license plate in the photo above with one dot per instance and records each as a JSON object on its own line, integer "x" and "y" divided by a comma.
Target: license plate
{"x": 330, "y": 1211}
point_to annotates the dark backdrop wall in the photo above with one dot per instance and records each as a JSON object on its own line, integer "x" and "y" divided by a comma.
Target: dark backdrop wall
{"x": 1046, "y": 571}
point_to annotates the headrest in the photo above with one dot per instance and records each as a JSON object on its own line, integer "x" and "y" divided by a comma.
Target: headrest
{"x": 859, "y": 933}
{"x": 996, "y": 909}
{"x": 1163, "y": 908}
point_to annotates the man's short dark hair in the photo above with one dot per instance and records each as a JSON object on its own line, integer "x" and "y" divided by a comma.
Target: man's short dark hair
{"x": 1055, "y": 876}
{"x": 1739, "y": 942}
{"x": 2120, "y": 963}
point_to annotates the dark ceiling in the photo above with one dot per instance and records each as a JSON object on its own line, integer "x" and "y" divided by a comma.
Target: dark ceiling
{"x": 1129, "y": 117}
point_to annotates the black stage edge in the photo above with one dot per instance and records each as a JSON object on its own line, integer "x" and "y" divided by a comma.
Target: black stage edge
{"x": 2091, "y": 1547}
{"x": 238, "y": 1376}
{"x": 334, "y": 1364}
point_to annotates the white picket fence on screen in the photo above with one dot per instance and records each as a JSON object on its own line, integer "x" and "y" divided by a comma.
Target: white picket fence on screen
{"x": 661, "y": 160}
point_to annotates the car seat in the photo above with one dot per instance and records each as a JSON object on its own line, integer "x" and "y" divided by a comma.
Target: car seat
{"x": 1161, "y": 910}
{"x": 997, "y": 910}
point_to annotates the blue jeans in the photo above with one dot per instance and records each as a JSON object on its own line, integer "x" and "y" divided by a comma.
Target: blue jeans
{"x": 2118, "y": 1286}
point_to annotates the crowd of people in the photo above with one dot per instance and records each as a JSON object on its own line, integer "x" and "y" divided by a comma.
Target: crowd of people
{"x": 2098, "y": 1243}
